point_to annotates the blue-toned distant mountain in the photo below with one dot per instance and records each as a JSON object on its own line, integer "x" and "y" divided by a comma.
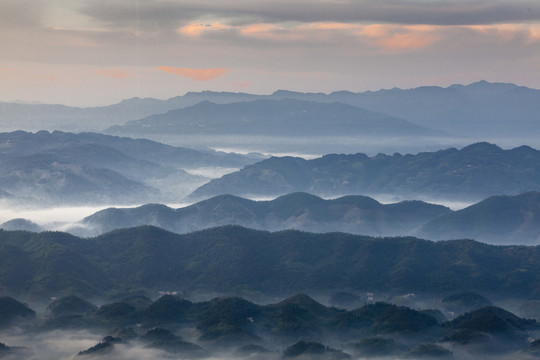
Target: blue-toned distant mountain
{"x": 501, "y": 219}
{"x": 64, "y": 168}
{"x": 34, "y": 117}
{"x": 21, "y": 224}
{"x": 285, "y": 117}
{"x": 473, "y": 173}
{"x": 497, "y": 220}
{"x": 480, "y": 110}
{"x": 352, "y": 214}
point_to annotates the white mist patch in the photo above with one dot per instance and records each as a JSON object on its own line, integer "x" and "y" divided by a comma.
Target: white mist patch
{"x": 54, "y": 345}
{"x": 211, "y": 172}
{"x": 452, "y": 204}
{"x": 49, "y": 215}
{"x": 306, "y": 156}
{"x": 53, "y": 218}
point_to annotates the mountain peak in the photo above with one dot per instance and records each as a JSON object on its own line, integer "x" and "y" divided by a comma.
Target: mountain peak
{"x": 481, "y": 146}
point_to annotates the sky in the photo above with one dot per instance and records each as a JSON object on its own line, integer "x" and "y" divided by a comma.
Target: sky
{"x": 98, "y": 52}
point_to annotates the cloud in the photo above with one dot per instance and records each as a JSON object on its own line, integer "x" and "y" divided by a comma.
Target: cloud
{"x": 197, "y": 29}
{"x": 195, "y": 74}
{"x": 177, "y": 13}
{"x": 112, "y": 73}
{"x": 392, "y": 37}
{"x": 509, "y": 32}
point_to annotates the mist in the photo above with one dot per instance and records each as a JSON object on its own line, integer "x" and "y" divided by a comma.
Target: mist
{"x": 64, "y": 345}
{"x": 30, "y": 341}
{"x": 315, "y": 146}
{"x": 69, "y": 218}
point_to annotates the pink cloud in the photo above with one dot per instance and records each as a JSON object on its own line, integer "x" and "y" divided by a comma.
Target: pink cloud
{"x": 509, "y": 32}
{"x": 195, "y": 74}
{"x": 198, "y": 29}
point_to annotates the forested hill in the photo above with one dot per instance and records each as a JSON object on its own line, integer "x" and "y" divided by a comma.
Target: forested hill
{"x": 301, "y": 211}
{"x": 231, "y": 259}
{"x": 473, "y": 172}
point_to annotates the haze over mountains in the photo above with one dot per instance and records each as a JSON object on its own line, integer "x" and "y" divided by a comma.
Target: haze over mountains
{"x": 479, "y": 109}
{"x": 89, "y": 168}
{"x": 135, "y": 327}
{"x": 285, "y": 117}
{"x": 473, "y": 172}
{"x": 301, "y": 211}
{"x": 495, "y": 220}
{"x": 499, "y": 219}
{"x": 323, "y": 234}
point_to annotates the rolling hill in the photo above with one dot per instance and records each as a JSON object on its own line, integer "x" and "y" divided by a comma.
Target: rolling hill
{"x": 64, "y": 168}
{"x": 301, "y": 211}
{"x": 471, "y": 173}
{"x": 286, "y": 117}
{"x": 499, "y": 219}
{"x": 232, "y": 259}
{"x": 478, "y": 110}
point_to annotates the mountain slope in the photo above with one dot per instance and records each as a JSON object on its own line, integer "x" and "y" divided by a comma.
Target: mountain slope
{"x": 474, "y": 172}
{"x": 34, "y": 117}
{"x": 66, "y": 168}
{"x": 478, "y": 110}
{"x": 353, "y": 214}
{"x": 498, "y": 219}
{"x": 231, "y": 259}
{"x": 272, "y": 117}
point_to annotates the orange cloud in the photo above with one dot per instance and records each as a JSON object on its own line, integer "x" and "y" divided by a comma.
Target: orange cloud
{"x": 198, "y": 29}
{"x": 392, "y": 37}
{"x": 387, "y": 36}
{"x": 195, "y": 74}
{"x": 509, "y": 32}
{"x": 112, "y": 73}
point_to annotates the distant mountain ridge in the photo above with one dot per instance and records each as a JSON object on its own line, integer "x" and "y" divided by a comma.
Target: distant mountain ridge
{"x": 285, "y": 117}
{"x": 66, "y": 168}
{"x": 480, "y": 109}
{"x": 498, "y": 219}
{"x": 508, "y": 220}
{"x": 473, "y": 172}
{"x": 301, "y": 211}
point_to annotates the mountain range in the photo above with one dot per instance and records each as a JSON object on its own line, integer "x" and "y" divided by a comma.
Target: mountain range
{"x": 301, "y": 211}
{"x": 471, "y": 173}
{"x": 297, "y": 327}
{"x": 480, "y": 109}
{"x": 233, "y": 260}
{"x": 50, "y": 168}
{"x": 499, "y": 219}
{"x": 268, "y": 117}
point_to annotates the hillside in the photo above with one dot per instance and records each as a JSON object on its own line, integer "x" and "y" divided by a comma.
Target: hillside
{"x": 481, "y": 109}
{"x": 301, "y": 211}
{"x": 286, "y": 117}
{"x": 65, "y": 168}
{"x": 34, "y": 117}
{"x": 471, "y": 173}
{"x": 274, "y": 331}
{"x": 478, "y": 110}
{"x": 497, "y": 219}
{"x": 234, "y": 259}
